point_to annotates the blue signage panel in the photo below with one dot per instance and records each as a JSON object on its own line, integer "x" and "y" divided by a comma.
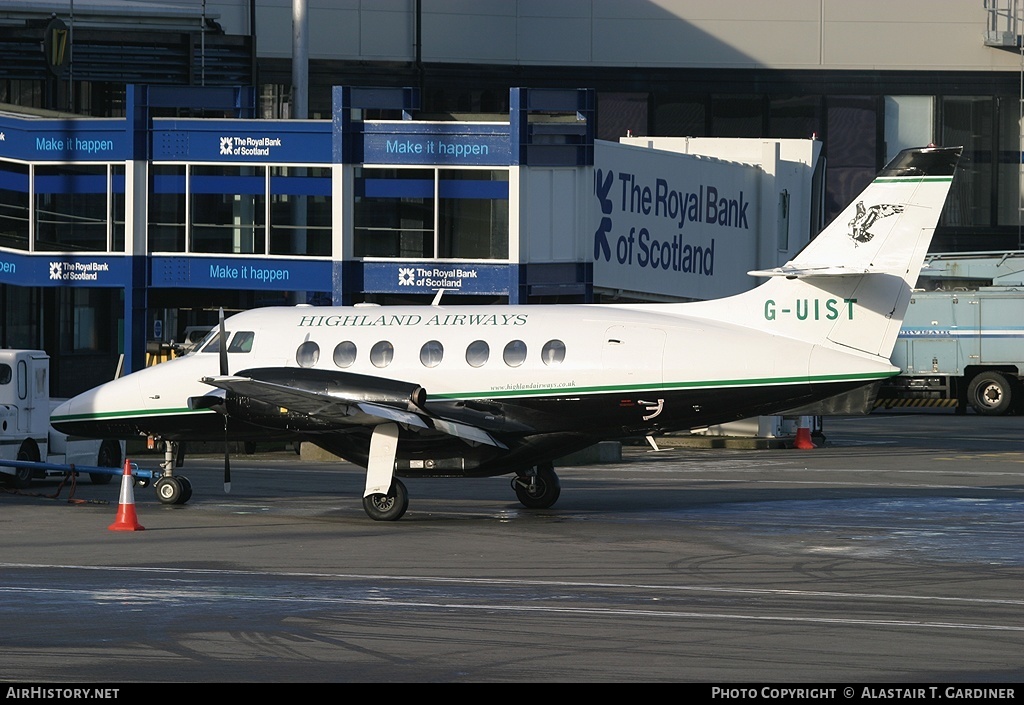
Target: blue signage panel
{"x": 428, "y": 277}
{"x": 76, "y": 139}
{"x": 440, "y": 144}
{"x": 241, "y": 273}
{"x": 262, "y": 141}
{"x": 65, "y": 270}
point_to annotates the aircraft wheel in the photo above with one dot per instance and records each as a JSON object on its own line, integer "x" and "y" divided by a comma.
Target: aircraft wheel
{"x": 390, "y": 506}
{"x": 539, "y": 491}
{"x": 186, "y": 489}
{"x": 168, "y": 490}
{"x": 109, "y": 457}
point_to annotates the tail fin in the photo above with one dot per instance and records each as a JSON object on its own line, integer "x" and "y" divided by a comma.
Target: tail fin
{"x": 850, "y": 286}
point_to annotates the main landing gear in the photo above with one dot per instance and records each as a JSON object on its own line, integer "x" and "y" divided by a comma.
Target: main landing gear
{"x": 171, "y": 488}
{"x": 390, "y": 506}
{"x": 538, "y": 488}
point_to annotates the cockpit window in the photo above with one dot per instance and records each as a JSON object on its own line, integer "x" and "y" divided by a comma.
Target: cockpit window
{"x": 5, "y": 374}
{"x": 212, "y": 342}
{"x": 242, "y": 342}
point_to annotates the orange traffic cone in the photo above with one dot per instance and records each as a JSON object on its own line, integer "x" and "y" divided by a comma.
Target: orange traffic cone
{"x": 803, "y": 434}
{"x": 126, "y": 519}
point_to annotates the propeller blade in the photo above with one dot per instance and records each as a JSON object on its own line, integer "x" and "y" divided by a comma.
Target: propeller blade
{"x": 224, "y": 373}
{"x": 223, "y": 347}
{"x": 227, "y": 460}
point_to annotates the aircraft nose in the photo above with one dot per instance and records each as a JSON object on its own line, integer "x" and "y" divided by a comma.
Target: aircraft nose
{"x": 61, "y": 418}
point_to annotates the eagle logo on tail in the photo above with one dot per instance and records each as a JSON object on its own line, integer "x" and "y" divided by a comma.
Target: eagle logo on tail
{"x": 866, "y": 217}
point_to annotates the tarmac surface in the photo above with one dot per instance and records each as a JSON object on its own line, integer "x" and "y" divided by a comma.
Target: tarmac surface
{"x": 893, "y": 554}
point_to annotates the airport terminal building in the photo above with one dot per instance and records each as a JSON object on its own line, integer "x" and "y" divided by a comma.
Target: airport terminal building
{"x": 151, "y": 170}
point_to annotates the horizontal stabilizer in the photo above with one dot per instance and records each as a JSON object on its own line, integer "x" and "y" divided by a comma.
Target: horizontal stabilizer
{"x": 806, "y": 272}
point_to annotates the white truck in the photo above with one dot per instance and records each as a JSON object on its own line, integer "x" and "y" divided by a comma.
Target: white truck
{"x": 25, "y": 431}
{"x": 961, "y": 349}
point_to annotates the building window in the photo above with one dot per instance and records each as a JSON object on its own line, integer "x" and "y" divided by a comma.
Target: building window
{"x": 300, "y": 211}
{"x": 968, "y": 121}
{"x": 472, "y": 214}
{"x": 431, "y": 213}
{"x": 117, "y": 208}
{"x": 909, "y": 122}
{"x": 228, "y": 209}
{"x": 71, "y": 207}
{"x": 14, "y": 206}
{"x": 621, "y": 114}
{"x": 166, "y": 227}
{"x": 394, "y": 213}
{"x": 738, "y": 116}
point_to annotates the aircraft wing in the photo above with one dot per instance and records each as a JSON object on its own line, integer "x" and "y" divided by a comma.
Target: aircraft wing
{"x": 352, "y": 402}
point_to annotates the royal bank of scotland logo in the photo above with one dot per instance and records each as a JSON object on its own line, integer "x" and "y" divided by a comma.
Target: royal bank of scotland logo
{"x": 225, "y": 145}
{"x": 406, "y": 276}
{"x": 56, "y": 271}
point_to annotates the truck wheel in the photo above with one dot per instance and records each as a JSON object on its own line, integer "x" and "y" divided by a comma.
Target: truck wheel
{"x": 108, "y": 457}
{"x": 23, "y": 476}
{"x": 990, "y": 393}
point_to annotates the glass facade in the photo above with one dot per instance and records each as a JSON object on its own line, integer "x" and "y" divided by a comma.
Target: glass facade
{"x": 431, "y": 213}
{"x": 14, "y": 205}
{"x": 860, "y": 132}
{"x": 225, "y": 209}
{"x": 72, "y": 207}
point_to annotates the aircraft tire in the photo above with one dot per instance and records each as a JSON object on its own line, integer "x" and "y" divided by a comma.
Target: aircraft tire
{"x": 545, "y": 488}
{"x": 168, "y": 490}
{"x": 186, "y": 489}
{"x": 390, "y": 506}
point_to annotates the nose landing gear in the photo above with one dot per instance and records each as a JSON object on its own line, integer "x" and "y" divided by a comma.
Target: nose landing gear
{"x": 171, "y": 488}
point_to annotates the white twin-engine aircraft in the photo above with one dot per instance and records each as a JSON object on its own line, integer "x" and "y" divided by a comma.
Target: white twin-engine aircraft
{"x": 441, "y": 391}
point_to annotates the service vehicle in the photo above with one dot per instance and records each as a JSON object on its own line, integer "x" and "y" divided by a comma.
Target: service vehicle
{"x": 962, "y": 349}
{"x": 25, "y": 431}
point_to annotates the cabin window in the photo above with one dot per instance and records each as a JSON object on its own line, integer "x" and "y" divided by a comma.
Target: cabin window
{"x": 515, "y": 353}
{"x": 477, "y": 353}
{"x": 242, "y": 342}
{"x": 382, "y": 353}
{"x": 431, "y": 353}
{"x": 553, "y": 352}
{"x": 5, "y": 374}
{"x": 345, "y": 353}
{"x": 307, "y": 354}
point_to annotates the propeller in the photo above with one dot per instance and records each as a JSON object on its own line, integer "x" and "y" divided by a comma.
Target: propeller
{"x": 224, "y": 373}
